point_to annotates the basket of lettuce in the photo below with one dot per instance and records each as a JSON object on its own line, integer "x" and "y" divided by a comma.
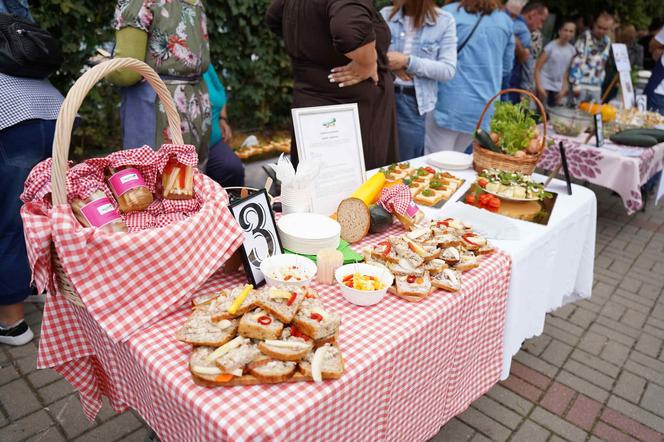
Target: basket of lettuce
{"x": 514, "y": 143}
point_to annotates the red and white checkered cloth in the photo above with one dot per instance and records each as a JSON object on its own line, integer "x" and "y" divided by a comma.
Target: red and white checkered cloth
{"x": 410, "y": 367}
{"x": 127, "y": 281}
{"x": 396, "y": 199}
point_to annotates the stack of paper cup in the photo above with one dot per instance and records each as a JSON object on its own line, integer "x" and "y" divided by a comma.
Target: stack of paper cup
{"x": 294, "y": 200}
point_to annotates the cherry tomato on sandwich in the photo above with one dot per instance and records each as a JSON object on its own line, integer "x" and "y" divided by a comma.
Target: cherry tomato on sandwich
{"x": 411, "y": 279}
{"x": 430, "y": 169}
{"x": 482, "y": 183}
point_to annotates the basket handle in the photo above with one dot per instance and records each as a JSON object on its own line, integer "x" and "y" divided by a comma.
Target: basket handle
{"x": 72, "y": 103}
{"x": 523, "y": 92}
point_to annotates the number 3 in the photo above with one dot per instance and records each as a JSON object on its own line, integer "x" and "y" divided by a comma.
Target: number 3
{"x": 258, "y": 231}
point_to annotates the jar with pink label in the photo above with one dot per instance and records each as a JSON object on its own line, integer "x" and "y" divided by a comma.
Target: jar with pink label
{"x": 98, "y": 211}
{"x": 177, "y": 181}
{"x": 129, "y": 189}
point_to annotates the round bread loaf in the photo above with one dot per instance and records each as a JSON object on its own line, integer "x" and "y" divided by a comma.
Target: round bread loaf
{"x": 355, "y": 220}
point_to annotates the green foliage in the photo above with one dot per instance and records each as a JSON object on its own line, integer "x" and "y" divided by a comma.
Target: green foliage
{"x": 514, "y": 124}
{"x": 252, "y": 62}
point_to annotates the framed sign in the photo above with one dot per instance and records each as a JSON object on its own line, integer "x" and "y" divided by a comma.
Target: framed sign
{"x": 642, "y": 103}
{"x": 332, "y": 136}
{"x": 599, "y": 130}
{"x": 627, "y": 89}
{"x": 261, "y": 239}
{"x": 621, "y": 57}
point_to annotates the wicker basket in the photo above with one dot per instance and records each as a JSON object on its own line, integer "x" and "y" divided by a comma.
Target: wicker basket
{"x": 486, "y": 159}
{"x": 62, "y": 138}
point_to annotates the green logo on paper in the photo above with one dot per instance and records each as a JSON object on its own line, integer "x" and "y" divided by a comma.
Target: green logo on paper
{"x": 330, "y": 124}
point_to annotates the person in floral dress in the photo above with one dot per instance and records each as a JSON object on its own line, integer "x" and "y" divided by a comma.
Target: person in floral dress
{"x": 171, "y": 37}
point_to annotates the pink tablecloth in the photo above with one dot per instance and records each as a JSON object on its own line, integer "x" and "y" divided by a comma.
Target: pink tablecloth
{"x": 623, "y": 169}
{"x": 409, "y": 368}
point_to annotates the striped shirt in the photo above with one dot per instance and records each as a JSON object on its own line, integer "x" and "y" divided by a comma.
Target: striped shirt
{"x": 27, "y": 99}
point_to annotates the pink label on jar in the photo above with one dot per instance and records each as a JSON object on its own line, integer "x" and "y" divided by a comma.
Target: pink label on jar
{"x": 100, "y": 212}
{"x": 412, "y": 209}
{"x": 125, "y": 180}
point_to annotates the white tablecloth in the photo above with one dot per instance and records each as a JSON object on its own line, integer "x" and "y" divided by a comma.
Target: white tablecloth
{"x": 552, "y": 265}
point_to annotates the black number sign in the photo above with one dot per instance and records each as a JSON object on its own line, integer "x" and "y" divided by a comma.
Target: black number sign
{"x": 257, "y": 229}
{"x": 261, "y": 240}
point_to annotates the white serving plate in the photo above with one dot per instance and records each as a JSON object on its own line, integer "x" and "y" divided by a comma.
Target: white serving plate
{"x": 451, "y": 160}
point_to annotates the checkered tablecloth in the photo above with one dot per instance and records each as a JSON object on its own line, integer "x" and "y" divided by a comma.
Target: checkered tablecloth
{"x": 410, "y": 367}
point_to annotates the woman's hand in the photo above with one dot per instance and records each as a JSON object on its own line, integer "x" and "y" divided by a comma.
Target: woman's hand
{"x": 541, "y": 93}
{"x": 401, "y": 73}
{"x": 226, "y": 131}
{"x": 397, "y": 60}
{"x": 354, "y": 73}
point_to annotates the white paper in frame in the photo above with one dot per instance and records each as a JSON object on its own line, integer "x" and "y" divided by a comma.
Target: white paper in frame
{"x": 627, "y": 90}
{"x": 332, "y": 136}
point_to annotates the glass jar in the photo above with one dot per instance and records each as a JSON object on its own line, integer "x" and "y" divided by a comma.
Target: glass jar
{"x": 129, "y": 189}
{"x": 98, "y": 211}
{"x": 177, "y": 181}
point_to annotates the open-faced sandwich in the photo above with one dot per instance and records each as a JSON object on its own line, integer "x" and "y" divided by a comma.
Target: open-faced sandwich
{"x": 276, "y": 339}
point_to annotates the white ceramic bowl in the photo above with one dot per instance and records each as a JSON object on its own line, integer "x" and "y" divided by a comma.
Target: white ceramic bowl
{"x": 363, "y": 297}
{"x": 273, "y": 263}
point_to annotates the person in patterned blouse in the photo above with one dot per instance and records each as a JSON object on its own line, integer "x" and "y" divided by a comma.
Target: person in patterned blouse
{"x": 171, "y": 37}
{"x": 588, "y": 67}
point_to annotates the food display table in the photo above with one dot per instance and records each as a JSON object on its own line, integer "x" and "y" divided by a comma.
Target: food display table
{"x": 409, "y": 367}
{"x": 623, "y": 169}
{"x": 552, "y": 265}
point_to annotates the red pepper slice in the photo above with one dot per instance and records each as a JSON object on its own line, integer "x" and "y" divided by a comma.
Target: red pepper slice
{"x": 293, "y": 296}
{"x": 264, "y": 320}
{"x": 316, "y": 317}
{"x": 445, "y": 222}
{"x": 465, "y": 236}
{"x": 430, "y": 169}
{"x": 296, "y": 333}
{"x": 348, "y": 278}
{"x": 411, "y": 279}
{"x": 388, "y": 247}
{"x": 287, "y": 277}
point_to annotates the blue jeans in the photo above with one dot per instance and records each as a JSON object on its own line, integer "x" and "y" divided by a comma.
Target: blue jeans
{"x": 224, "y": 166}
{"x": 411, "y": 127}
{"x": 22, "y": 146}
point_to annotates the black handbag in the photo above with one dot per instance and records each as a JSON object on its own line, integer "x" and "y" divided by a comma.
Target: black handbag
{"x": 26, "y": 50}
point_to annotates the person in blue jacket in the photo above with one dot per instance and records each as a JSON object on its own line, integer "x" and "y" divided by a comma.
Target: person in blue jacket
{"x": 422, "y": 53}
{"x": 223, "y": 165}
{"x": 484, "y": 60}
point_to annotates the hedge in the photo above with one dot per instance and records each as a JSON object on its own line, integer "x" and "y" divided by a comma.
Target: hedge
{"x": 252, "y": 61}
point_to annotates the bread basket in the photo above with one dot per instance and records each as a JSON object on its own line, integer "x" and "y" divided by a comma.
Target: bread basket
{"x": 486, "y": 159}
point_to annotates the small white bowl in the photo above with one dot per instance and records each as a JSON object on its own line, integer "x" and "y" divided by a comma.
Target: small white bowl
{"x": 363, "y": 297}
{"x": 307, "y": 266}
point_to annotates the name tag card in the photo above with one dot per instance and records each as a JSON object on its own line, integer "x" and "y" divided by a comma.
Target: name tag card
{"x": 332, "y": 136}
{"x": 599, "y": 130}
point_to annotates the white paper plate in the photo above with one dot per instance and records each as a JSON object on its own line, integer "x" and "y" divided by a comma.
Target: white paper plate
{"x": 451, "y": 160}
{"x": 308, "y": 233}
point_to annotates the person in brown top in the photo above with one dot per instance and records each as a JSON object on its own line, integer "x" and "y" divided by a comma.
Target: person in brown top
{"x": 338, "y": 49}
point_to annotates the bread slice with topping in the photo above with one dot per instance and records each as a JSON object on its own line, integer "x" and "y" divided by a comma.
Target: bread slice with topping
{"x": 259, "y": 324}
{"x": 236, "y": 359}
{"x": 225, "y": 304}
{"x": 468, "y": 262}
{"x": 200, "y": 365}
{"x": 199, "y": 329}
{"x": 272, "y": 371}
{"x": 288, "y": 348}
{"x": 281, "y": 301}
{"x": 448, "y": 280}
{"x": 412, "y": 285}
{"x": 404, "y": 268}
{"x": 325, "y": 362}
{"x": 406, "y": 249}
{"x": 315, "y": 321}
{"x": 435, "y": 266}
{"x": 451, "y": 255}
{"x": 384, "y": 251}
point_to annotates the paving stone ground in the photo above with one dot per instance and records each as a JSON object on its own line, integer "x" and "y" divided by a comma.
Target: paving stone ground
{"x": 596, "y": 373}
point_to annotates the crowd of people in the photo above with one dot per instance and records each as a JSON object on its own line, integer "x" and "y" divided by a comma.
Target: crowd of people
{"x": 420, "y": 74}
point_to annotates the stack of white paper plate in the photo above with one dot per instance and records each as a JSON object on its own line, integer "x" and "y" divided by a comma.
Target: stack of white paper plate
{"x": 451, "y": 160}
{"x": 307, "y": 233}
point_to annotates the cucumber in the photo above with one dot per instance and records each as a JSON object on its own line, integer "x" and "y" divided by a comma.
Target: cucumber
{"x": 381, "y": 219}
{"x": 658, "y": 134}
{"x": 484, "y": 140}
{"x": 634, "y": 139}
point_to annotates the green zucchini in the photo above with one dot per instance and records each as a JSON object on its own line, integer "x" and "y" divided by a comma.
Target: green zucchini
{"x": 484, "y": 140}
{"x": 381, "y": 219}
{"x": 634, "y": 139}
{"x": 658, "y": 134}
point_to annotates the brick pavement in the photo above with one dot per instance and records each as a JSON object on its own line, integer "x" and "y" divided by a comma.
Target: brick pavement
{"x": 596, "y": 373}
